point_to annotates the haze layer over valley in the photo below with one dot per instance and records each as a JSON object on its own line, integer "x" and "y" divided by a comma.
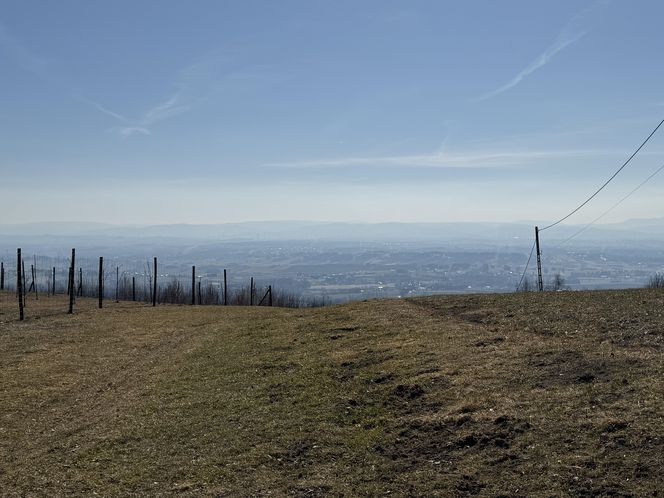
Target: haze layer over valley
{"x": 345, "y": 261}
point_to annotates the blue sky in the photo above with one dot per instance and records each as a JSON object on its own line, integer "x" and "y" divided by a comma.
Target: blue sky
{"x": 223, "y": 111}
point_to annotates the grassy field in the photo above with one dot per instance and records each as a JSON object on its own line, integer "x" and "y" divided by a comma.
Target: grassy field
{"x": 554, "y": 394}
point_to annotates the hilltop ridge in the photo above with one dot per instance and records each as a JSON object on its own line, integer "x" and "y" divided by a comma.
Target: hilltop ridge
{"x": 552, "y": 394}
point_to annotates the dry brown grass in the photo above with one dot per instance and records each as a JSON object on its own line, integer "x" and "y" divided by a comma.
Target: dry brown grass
{"x": 555, "y": 394}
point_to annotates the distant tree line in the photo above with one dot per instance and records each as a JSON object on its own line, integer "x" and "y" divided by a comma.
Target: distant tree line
{"x": 557, "y": 283}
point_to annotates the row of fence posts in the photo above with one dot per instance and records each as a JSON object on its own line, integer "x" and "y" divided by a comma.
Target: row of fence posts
{"x": 73, "y": 291}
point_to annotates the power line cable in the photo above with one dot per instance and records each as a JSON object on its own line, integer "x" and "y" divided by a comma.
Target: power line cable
{"x": 526, "y": 268}
{"x": 608, "y": 181}
{"x": 614, "y": 206}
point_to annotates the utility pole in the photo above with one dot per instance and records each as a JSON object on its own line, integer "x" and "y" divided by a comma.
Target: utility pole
{"x": 540, "y": 282}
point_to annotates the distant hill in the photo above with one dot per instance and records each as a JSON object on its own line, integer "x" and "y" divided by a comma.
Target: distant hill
{"x": 551, "y": 394}
{"x": 336, "y": 231}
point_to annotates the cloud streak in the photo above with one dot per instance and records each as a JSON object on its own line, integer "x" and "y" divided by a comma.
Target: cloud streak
{"x": 41, "y": 67}
{"x": 101, "y": 108}
{"x": 192, "y": 84}
{"x": 23, "y": 57}
{"x": 569, "y": 35}
{"x": 539, "y": 62}
{"x": 172, "y": 106}
{"x": 480, "y": 160}
{"x": 164, "y": 110}
{"x": 127, "y": 131}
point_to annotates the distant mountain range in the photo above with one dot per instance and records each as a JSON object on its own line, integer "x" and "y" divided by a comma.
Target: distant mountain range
{"x": 637, "y": 229}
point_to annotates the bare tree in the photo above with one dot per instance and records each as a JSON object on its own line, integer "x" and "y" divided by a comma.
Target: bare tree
{"x": 557, "y": 283}
{"x": 656, "y": 281}
{"x": 526, "y": 286}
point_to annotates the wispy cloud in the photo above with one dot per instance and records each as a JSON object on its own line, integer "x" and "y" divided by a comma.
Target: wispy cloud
{"x": 23, "y": 57}
{"x": 540, "y": 61}
{"x": 164, "y": 110}
{"x": 100, "y": 108}
{"x": 127, "y": 131}
{"x": 191, "y": 85}
{"x": 42, "y": 68}
{"x": 500, "y": 159}
{"x": 570, "y": 34}
{"x": 196, "y": 83}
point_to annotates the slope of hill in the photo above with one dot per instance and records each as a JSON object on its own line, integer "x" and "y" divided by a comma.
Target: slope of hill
{"x": 555, "y": 394}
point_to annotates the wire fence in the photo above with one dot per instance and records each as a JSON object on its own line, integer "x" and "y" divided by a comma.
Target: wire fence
{"x": 52, "y": 280}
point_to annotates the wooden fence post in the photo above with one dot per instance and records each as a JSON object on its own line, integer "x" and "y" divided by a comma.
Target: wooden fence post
{"x": 100, "y": 287}
{"x": 193, "y": 285}
{"x": 53, "y": 281}
{"x": 225, "y": 289}
{"x": 133, "y": 288}
{"x": 268, "y": 292}
{"x": 25, "y": 291}
{"x": 251, "y": 292}
{"x": 19, "y": 284}
{"x": 117, "y": 283}
{"x": 34, "y": 281}
{"x": 71, "y": 281}
{"x": 79, "y": 291}
{"x": 154, "y": 289}
{"x": 34, "y": 278}
{"x": 2, "y": 275}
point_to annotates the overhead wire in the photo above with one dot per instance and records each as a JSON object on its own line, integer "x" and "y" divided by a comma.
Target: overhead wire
{"x": 658, "y": 170}
{"x": 523, "y": 275}
{"x": 606, "y": 182}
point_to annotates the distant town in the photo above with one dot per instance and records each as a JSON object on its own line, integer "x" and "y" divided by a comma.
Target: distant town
{"x": 334, "y": 271}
